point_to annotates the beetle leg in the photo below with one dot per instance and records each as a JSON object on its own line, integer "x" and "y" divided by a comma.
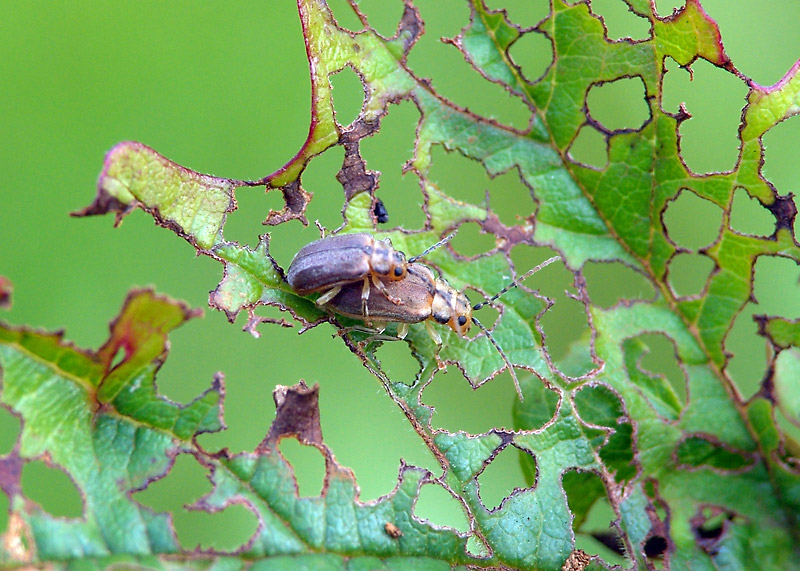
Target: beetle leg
{"x": 433, "y": 333}
{"x": 364, "y": 298}
{"x": 380, "y": 286}
{"x": 376, "y": 332}
{"x": 328, "y": 295}
{"x": 402, "y": 330}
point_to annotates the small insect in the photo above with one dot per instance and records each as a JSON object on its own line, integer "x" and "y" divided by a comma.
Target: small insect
{"x": 392, "y": 530}
{"x": 380, "y": 212}
{"x": 426, "y": 298}
{"x": 328, "y": 264}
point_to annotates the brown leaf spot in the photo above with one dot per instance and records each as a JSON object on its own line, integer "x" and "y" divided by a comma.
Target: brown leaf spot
{"x": 10, "y": 474}
{"x": 297, "y": 415}
{"x": 411, "y": 27}
{"x": 578, "y": 560}
{"x": 103, "y": 204}
{"x": 784, "y": 211}
{"x": 354, "y": 175}
{"x": 296, "y": 199}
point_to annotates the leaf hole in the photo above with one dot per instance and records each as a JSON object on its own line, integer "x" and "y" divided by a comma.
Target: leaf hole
{"x": 475, "y": 546}
{"x": 52, "y": 488}
{"x": 748, "y": 351}
{"x": 244, "y": 224}
{"x": 319, "y": 177}
{"x": 185, "y": 483}
{"x": 774, "y": 30}
{"x": 533, "y": 53}
{"x": 348, "y": 95}
{"x": 118, "y": 358}
{"x": 183, "y": 364}
{"x": 522, "y": 12}
{"x": 487, "y": 315}
{"x": 308, "y": 465}
{"x": 714, "y": 99}
{"x": 653, "y": 367}
{"x": 692, "y": 222}
{"x": 666, "y": 8}
{"x": 776, "y": 286}
{"x": 619, "y": 104}
{"x": 697, "y": 451}
{"x": 620, "y": 20}
{"x": 460, "y": 407}
{"x": 382, "y": 16}
{"x": 454, "y": 78}
{"x": 386, "y": 152}
{"x": 345, "y": 15}
{"x": 749, "y": 216}
{"x": 780, "y": 156}
{"x": 538, "y": 408}
{"x": 565, "y": 323}
{"x": 611, "y": 283}
{"x": 566, "y": 327}
{"x": 655, "y": 546}
{"x": 472, "y": 240}
{"x": 501, "y": 477}
{"x": 227, "y": 530}
{"x": 589, "y": 148}
{"x": 398, "y": 362}
{"x": 689, "y": 273}
{"x": 466, "y": 180}
{"x": 787, "y": 371}
{"x": 436, "y": 505}
{"x": 10, "y": 427}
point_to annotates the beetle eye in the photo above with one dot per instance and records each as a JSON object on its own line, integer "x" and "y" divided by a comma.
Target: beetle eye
{"x": 462, "y": 320}
{"x": 398, "y": 271}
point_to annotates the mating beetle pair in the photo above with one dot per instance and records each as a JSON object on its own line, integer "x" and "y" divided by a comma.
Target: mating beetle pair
{"x": 365, "y": 278}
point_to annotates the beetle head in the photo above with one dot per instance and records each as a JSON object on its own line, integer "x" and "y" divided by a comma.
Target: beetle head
{"x": 452, "y": 308}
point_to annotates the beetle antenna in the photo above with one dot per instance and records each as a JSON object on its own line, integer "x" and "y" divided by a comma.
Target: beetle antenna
{"x": 503, "y": 355}
{"x": 438, "y": 244}
{"x": 516, "y": 282}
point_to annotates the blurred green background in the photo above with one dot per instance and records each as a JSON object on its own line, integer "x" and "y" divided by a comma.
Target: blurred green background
{"x": 223, "y": 88}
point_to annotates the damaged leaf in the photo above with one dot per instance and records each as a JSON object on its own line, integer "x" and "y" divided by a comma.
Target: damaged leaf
{"x": 693, "y": 475}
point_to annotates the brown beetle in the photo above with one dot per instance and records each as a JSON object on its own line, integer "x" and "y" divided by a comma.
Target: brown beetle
{"x": 328, "y": 264}
{"x": 427, "y": 298}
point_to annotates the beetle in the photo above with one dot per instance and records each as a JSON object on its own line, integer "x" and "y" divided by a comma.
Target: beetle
{"x": 380, "y": 212}
{"x": 326, "y": 265}
{"x": 426, "y": 298}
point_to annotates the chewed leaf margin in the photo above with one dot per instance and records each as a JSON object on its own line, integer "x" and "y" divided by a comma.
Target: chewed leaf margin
{"x": 111, "y": 449}
{"x": 582, "y": 213}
